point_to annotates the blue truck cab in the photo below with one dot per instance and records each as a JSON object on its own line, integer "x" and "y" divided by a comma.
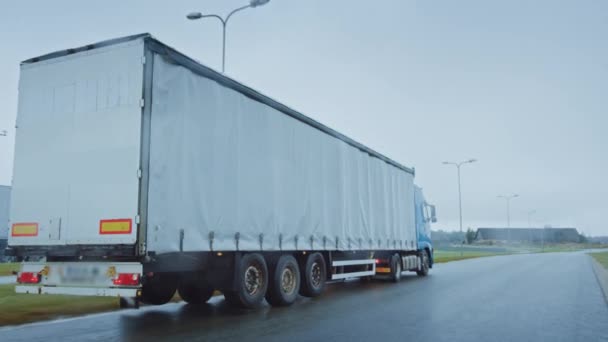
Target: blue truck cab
{"x": 425, "y": 215}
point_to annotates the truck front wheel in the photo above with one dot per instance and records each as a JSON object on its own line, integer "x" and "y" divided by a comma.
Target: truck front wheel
{"x": 313, "y": 275}
{"x": 424, "y": 264}
{"x": 251, "y": 282}
{"x": 284, "y": 282}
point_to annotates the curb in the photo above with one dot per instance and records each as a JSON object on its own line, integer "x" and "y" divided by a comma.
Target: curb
{"x": 602, "y": 276}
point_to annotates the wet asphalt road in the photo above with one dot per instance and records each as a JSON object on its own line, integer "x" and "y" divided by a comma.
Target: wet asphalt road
{"x": 548, "y": 297}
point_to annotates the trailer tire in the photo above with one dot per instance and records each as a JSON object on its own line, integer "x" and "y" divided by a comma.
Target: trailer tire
{"x": 159, "y": 288}
{"x": 424, "y": 263}
{"x": 194, "y": 290}
{"x": 396, "y": 268}
{"x": 251, "y": 282}
{"x": 284, "y": 284}
{"x": 313, "y": 275}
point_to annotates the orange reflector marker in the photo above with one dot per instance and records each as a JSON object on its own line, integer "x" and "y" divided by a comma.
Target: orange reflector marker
{"x": 25, "y": 229}
{"x": 115, "y": 226}
{"x": 383, "y": 270}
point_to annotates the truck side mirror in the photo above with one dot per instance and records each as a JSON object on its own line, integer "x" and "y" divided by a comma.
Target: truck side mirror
{"x": 433, "y": 214}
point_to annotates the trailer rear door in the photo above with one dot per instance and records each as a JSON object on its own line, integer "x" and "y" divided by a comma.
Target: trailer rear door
{"x": 77, "y": 153}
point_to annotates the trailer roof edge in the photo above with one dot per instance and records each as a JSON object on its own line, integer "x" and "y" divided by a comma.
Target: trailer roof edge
{"x": 195, "y": 66}
{"x": 65, "y": 52}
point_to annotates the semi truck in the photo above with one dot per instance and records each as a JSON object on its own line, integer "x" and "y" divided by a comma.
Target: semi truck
{"x": 140, "y": 172}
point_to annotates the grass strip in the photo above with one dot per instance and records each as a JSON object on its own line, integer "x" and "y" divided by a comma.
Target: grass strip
{"x": 447, "y": 256}
{"x": 24, "y": 308}
{"x": 8, "y": 268}
{"x": 602, "y": 258}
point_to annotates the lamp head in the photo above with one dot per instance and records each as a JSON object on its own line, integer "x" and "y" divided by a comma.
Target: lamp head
{"x": 194, "y": 15}
{"x": 256, "y": 3}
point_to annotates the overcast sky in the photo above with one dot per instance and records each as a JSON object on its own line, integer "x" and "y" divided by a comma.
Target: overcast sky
{"x": 520, "y": 85}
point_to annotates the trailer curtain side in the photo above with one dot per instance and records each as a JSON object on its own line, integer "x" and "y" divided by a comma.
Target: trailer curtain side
{"x": 229, "y": 173}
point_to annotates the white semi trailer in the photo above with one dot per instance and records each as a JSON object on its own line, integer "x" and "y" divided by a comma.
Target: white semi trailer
{"x": 140, "y": 172}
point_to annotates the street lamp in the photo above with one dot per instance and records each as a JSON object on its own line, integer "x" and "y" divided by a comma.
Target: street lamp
{"x": 3, "y": 133}
{"x": 531, "y": 230}
{"x": 458, "y": 165}
{"x": 224, "y": 21}
{"x": 508, "y": 198}
{"x": 542, "y": 233}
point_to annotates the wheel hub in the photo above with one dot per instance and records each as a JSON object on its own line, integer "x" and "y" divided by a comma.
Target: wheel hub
{"x": 288, "y": 281}
{"x": 253, "y": 280}
{"x": 316, "y": 274}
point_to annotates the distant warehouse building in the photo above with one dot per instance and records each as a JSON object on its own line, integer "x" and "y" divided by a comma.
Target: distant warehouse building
{"x": 5, "y": 197}
{"x": 534, "y": 235}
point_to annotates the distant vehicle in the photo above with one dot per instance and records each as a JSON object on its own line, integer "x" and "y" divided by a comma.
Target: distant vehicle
{"x": 140, "y": 172}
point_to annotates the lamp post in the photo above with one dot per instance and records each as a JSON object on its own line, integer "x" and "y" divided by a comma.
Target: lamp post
{"x": 3, "y": 133}
{"x": 542, "y": 243}
{"x": 542, "y": 232}
{"x": 508, "y": 198}
{"x": 458, "y": 165}
{"x": 530, "y": 213}
{"x": 224, "y": 21}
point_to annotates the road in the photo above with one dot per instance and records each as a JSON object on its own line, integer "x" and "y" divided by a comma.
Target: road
{"x": 541, "y": 297}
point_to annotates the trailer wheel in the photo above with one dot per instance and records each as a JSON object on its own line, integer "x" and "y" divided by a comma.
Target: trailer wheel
{"x": 425, "y": 264}
{"x": 194, "y": 290}
{"x": 313, "y": 275}
{"x": 159, "y": 288}
{"x": 284, "y": 282}
{"x": 252, "y": 282}
{"x": 396, "y": 268}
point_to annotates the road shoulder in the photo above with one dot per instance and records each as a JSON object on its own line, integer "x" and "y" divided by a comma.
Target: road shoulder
{"x": 602, "y": 276}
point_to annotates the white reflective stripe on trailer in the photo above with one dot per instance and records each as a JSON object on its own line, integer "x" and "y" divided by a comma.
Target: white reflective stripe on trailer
{"x": 79, "y": 291}
{"x": 357, "y": 274}
{"x": 353, "y": 262}
{"x": 353, "y": 274}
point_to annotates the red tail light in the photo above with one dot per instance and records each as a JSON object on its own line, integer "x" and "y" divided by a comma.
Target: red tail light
{"x": 126, "y": 279}
{"x": 28, "y": 278}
